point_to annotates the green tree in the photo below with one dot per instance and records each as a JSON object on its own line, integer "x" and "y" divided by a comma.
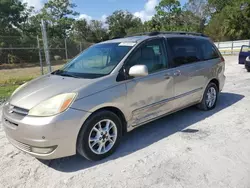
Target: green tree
{"x": 214, "y": 28}
{"x": 89, "y": 32}
{"x": 58, "y": 14}
{"x": 229, "y": 22}
{"x": 140, "y": 28}
{"x": 153, "y": 25}
{"x": 168, "y": 13}
{"x": 168, "y": 8}
{"x": 120, "y": 22}
{"x": 201, "y": 10}
{"x": 217, "y": 6}
{"x": 12, "y": 14}
{"x": 81, "y": 30}
{"x": 171, "y": 17}
{"x": 97, "y": 31}
{"x": 237, "y": 21}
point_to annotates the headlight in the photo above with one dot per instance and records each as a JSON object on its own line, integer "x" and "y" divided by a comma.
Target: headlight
{"x": 17, "y": 89}
{"x": 54, "y": 105}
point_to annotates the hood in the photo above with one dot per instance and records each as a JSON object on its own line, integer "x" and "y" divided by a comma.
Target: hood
{"x": 45, "y": 87}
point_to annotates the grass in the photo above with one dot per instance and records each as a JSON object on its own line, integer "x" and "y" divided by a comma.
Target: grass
{"x": 6, "y": 91}
{"x": 10, "y": 79}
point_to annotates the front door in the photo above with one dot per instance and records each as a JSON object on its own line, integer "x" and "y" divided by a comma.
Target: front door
{"x": 150, "y": 96}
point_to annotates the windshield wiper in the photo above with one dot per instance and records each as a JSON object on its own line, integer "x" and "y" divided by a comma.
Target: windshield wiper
{"x": 61, "y": 73}
{"x": 68, "y": 75}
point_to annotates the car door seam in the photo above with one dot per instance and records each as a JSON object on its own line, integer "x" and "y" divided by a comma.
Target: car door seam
{"x": 168, "y": 99}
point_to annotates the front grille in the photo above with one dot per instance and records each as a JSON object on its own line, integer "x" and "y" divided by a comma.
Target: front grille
{"x": 11, "y": 109}
{"x": 19, "y": 110}
{"x": 20, "y": 145}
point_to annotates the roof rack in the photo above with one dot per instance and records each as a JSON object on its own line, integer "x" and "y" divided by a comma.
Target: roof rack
{"x": 117, "y": 37}
{"x": 139, "y": 34}
{"x": 177, "y": 33}
{"x": 155, "y": 33}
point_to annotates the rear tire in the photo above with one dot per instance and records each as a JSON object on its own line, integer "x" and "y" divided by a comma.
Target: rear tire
{"x": 210, "y": 97}
{"x": 99, "y": 136}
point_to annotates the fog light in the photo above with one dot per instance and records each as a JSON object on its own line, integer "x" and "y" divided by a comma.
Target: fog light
{"x": 43, "y": 150}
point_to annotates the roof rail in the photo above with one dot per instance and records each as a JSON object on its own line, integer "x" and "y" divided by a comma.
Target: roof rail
{"x": 154, "y": 33}
{"x": 117, "y": 37}
{"x": 138, "y": 34}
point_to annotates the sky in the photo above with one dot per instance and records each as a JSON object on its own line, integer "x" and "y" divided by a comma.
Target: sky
{"x": 100, "y": 9}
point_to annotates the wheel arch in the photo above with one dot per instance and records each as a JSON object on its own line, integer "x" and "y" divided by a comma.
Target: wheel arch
{"x": 113, "y": 109}
{"x": 119, "y": 113}
{"x": 216, "y": 82}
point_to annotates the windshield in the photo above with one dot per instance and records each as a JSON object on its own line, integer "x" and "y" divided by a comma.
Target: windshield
{"x": 96, "y": 61}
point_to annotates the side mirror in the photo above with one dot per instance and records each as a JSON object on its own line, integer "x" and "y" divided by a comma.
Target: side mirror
{"x": 138, "y": 71}
{"x": 248, "y": 59}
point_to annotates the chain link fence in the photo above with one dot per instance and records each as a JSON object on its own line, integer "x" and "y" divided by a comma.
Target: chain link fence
{"x": 18, "y": 50}
{"x": 25, "y": 52}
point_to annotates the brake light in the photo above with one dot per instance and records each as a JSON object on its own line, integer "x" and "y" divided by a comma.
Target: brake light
{"x": 222, "y": 59}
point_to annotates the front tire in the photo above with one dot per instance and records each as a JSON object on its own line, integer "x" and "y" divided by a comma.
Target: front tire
{"x": 210, "y": 97}
{"x": 99, "y": 136}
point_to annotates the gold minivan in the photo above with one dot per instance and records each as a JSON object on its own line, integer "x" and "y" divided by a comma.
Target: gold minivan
{"x": 110, "y": 89}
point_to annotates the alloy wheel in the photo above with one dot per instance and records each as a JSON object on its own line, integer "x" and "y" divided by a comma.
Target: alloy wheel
{"x": 211, "y": 97}
{"x": 102, "y": 137}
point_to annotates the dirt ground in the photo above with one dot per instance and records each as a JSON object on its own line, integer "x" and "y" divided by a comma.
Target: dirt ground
{"x": 190, "y": 148}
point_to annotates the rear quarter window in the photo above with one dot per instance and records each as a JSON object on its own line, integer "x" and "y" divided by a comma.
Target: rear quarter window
{"x": 209, "y": 51}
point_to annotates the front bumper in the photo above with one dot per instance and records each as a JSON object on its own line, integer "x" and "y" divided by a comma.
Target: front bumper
{"x": 57, "y": 132}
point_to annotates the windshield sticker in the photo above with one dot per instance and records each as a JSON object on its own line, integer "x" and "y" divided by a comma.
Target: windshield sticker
{"x": 127, "y": 44}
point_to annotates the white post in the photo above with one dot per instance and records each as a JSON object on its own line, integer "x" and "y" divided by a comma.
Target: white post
{"x": 232, "y": 47}
{"x": 45, "y": 45}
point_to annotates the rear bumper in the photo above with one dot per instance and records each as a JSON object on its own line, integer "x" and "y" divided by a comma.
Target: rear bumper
{"x": 222, "y": 82}
{"x": 57, "y": 134}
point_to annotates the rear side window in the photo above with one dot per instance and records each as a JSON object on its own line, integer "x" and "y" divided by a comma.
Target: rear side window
{"x": 209, "y": 51}
{"x": 184, "y": 51}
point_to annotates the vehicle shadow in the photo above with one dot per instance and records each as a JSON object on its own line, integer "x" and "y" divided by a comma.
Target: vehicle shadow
{"x": 148, "y": 134}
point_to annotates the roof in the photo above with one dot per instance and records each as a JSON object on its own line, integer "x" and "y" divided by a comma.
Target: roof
{"x": 142, "y": 36}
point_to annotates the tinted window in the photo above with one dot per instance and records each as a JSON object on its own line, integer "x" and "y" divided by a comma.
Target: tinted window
{"x": 184, "y": 50}
{"x": 150, "y": 54}
{"x": 208, "y": 50}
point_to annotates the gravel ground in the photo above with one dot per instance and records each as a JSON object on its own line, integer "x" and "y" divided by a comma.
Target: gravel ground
{"x": 190, "y": 148}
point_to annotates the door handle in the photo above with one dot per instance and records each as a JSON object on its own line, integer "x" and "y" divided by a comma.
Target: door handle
{"x": 177, "y": 73}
